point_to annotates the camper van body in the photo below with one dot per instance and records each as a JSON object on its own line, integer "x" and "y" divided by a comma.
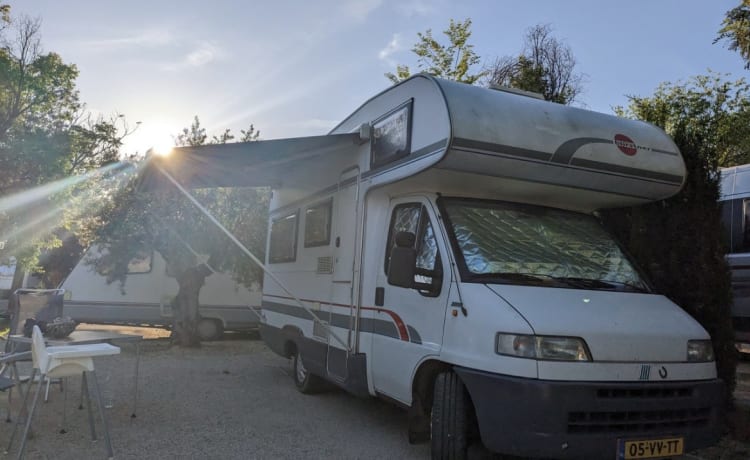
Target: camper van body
{"x": 735, "y": 200}
{"x": 438, "y": 249}
{"x": 146, "y": 298}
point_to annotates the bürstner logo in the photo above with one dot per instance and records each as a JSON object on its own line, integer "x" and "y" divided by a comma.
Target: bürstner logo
{"x": 625, "y": 144}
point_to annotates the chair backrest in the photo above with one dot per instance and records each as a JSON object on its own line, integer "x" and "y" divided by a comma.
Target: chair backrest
{"x": 39, "y": 350}
{"x": 41, "y": 304}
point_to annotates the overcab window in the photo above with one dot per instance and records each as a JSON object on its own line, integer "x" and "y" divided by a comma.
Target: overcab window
{"x": 391, "y": 136}
{"x": 283, "y": 239}
{"x": 318, "y": 224}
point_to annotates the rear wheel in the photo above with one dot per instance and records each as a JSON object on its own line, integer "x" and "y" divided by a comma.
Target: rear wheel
{"x": 210, "y": 329}
{"x": 450, "y": 418}
{"x": 305, "y": 382}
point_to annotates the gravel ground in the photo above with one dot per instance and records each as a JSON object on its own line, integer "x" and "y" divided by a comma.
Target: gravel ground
{"x": 230, "y": 399}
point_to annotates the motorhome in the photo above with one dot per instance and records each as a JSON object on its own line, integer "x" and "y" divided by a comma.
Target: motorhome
{"x": 735, "y": 214}
{"x": 146, "y": 297}
{"x": 440, "y": 249}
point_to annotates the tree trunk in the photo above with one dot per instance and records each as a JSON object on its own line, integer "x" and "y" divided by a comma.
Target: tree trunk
{"x": 185, "y": 306}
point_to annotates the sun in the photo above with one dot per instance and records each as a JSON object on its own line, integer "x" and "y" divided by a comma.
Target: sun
{"x": 154, "y": 135}
{"x": 162, "y": 147}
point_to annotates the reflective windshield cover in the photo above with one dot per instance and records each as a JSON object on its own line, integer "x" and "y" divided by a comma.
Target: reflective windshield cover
{"x": 499, "y": 242}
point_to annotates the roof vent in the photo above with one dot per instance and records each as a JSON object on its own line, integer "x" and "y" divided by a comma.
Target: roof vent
{"x": 520, "y": 92}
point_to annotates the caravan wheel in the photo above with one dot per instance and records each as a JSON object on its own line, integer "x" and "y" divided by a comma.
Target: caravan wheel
{"x": 210, "y": 329}
{"x": 305, "y": 382}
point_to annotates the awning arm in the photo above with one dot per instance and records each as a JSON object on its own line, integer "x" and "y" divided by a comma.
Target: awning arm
{"x": 248, "y": 253}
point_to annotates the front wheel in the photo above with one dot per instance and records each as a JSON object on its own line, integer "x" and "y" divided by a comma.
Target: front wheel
{"x": 450, "y": 418}
{"x": 305, "y": 382}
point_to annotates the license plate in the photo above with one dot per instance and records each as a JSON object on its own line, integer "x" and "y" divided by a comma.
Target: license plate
{"x": 649, "y": 448}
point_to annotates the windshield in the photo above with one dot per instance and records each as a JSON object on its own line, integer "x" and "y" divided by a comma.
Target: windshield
{"x": 523, "y": 244}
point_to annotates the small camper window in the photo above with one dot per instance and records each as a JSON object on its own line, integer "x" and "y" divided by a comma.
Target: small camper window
{"x": 391, "y": 136}
{"x": 141, "y": 263}
{"x": 318, "y": 224}
{"x": 283, "y": 247}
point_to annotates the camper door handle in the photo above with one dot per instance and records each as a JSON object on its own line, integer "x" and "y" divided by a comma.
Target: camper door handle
{"x": 379, "y": 296}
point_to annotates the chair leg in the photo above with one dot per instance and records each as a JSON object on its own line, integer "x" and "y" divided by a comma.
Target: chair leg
{"x": 110, "y": 453}
{"x": 20, "y": 412}
{"x": 46, "y": 391}
{"x": 28, "y": 421}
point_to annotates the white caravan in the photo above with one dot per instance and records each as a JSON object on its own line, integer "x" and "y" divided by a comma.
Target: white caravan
{"x": 146, "y": 298}
{"x": 735, "y": 214}
{"x": 440, "y": 249}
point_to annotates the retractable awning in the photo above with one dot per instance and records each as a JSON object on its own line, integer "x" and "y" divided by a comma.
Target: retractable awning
{"x": 245, "y": 164}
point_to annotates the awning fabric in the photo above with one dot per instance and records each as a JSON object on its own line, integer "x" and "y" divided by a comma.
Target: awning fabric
{"x": 245, "y": 164}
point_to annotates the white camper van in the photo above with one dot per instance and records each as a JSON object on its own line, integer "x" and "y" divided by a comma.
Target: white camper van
{"x": 735, "y": 200}
{"x": 146, "y": 298}
{"x": 440, "y": 249}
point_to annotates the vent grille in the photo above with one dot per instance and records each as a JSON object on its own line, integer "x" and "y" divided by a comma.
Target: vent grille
{"x": 645, "y": 393}
{"x": 325, "y": 265}
{"x": 638, "y": 421}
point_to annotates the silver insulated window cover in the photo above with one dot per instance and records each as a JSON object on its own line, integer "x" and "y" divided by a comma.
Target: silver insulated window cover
{"x": 494, "y": 238}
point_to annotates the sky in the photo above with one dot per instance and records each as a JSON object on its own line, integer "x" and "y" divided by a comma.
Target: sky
{"x": 296, "y": 68}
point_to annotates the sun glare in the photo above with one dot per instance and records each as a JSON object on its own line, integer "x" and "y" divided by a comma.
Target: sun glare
{"x": 162, "y": 149}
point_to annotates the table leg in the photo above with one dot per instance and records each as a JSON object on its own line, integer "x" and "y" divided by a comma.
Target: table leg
{"x": 135, "y": 386}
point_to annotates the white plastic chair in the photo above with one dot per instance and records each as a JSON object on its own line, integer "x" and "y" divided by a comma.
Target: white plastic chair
{"x": 65, "y": 361}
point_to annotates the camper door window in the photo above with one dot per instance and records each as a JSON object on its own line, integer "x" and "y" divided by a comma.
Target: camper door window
{"x": 391, "y": 136}
{"x": 413, "y": 218}
{"x": 283, "y": 245}
{"x": 508, "y": 243}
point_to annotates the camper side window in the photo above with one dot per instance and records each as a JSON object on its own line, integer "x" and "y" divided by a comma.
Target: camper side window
{"x": 391, "y": 136}
{"x": 318, "y": 224}
{"x": 283, "y": 247}
{"x": 413, "y": 218}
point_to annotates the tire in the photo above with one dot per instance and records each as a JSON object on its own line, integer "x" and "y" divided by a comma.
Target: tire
{"x": 449, "y": 418}
{"x": 305, "y": 382}
{"x": 210, "y": 329}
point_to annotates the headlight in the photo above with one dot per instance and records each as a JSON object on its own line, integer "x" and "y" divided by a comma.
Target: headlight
{"x": 542, "y": 347}
{"x": 700, "y": 351}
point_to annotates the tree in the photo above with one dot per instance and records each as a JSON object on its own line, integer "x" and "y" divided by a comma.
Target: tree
{"x": 678, "y": 241}
{"x": 716, "y": 110}
{"x": 546, "y": 66}
{"x": 45, "y": 135}
{"x": 736, "y": 30}
{"x": 134, "y": 222}
{"x": 453, "y": 61}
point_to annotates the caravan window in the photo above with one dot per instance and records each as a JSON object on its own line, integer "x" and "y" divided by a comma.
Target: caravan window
{"x": 391, "y": 136}
{"x": 141, "y": 263}
{"x": 318, "y": 224}
{"x": 283, "y": 247}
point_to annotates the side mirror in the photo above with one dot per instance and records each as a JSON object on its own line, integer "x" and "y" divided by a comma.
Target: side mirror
{"x": 403, "y": 263}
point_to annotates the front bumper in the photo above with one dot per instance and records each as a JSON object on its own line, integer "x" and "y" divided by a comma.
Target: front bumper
{"x": 563, "y": 419}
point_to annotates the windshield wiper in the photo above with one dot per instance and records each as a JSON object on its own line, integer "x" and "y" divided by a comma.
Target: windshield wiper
{"x": 524, "y": 278}
{"x": 589, "y": 283}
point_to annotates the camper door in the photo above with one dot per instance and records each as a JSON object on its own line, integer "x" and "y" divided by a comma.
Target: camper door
{"x": 407, "y": 324}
